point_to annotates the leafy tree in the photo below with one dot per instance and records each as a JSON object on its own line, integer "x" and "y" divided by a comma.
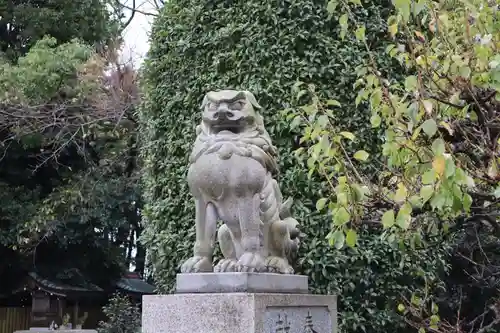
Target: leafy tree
{"x": 23, "y": 23}
{"x": 122, "y": 316}
{"x": 439, "y": 172}
{"x": 68, "y": 167}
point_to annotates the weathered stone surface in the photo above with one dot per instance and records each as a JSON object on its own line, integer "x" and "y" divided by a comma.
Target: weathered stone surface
{"x": 45, "y": 330}
{"x": 231, "y": 177}
{"x": 241, "y": 282}
{"x": 238, "y": 313}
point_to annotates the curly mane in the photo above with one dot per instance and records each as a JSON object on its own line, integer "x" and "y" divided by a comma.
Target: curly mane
{"x": 254, "y": 142}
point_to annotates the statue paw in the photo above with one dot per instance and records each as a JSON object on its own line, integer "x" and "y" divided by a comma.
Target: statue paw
{"x": 197, "y": 264}
{"x": 278, "y": 265}
{"x": 226, "y": 265}
{"x": 250, "y": 262}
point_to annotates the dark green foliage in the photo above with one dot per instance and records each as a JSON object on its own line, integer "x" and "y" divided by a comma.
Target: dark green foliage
{"x": 25, "y": 22}
{"x": 265, "y": 47}
{"x": 68, "y": 183}
{"x": 122, "y": 316}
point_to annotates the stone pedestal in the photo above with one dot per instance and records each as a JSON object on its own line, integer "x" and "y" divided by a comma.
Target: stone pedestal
{"x": 241, "y": 282}
{"x": 254, "y": 308}
{"x": 46, "y": 329}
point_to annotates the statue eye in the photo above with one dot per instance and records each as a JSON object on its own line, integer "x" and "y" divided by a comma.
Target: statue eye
{"x": 236, "y": 106}
{"x": 212, "y": 106}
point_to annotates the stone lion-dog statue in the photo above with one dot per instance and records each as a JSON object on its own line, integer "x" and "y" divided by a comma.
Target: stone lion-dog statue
{"x": 231, "y": 177}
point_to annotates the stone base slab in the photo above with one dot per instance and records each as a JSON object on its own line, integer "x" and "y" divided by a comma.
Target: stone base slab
{"x": 241, "y": 282}
{"x": 239, "y": 313}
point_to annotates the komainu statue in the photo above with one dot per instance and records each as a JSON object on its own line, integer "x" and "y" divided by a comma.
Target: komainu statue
{"x": 231, "y": 172}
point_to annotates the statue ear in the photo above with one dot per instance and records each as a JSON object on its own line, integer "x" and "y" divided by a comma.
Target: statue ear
{"x": 204, "y": 102}
{"x": 252, "y": 100}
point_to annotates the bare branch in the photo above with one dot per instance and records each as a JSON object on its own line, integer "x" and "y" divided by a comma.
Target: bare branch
{"x": 135, "y": 10}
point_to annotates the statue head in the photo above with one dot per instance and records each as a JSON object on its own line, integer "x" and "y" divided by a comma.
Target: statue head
{"x": 230, "y": 111}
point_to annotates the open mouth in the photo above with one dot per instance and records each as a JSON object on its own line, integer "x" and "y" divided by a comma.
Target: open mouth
{"x": 229, "y": 128}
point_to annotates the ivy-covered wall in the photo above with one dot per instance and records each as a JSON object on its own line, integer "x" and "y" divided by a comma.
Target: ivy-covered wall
{"x": 264, "y": 47}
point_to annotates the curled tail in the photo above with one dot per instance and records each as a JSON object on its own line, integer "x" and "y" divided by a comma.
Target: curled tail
{"x": 292, "y": 241}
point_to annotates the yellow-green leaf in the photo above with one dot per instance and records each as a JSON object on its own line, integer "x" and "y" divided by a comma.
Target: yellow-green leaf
{"x": 401, "y": 193}
{"x": 360, "y": 33}
{"x": 343, "y": 25}
{"x": 333, "y": 102}
{"x": 332, "y": 5}
{"x": 375, "y": 120}
{"x": 393, "y": 29}
{"x": 449, "y": 169}
{"x": 426, "y": 192}
{"x": 348, "y": 135}
{"x": 438, "y": 146}
{"x": 427, "y": 107}
{"x": 337, "y": 239}
{"x": 404, "y": 216}
{"x": 341, "y": 216}
{"x": 411, "y": 83}
{"x": 438, "y": 201}
{"x": 467, "y": 202}
{"x": 438, "y": 164}
{"x": 429, "y": 177}
{"x": 430, "y": 127}
{"x": 351, "y": 238}
{"x": 388, "y": 219}
{"x": 342, "y": 199}
{"x": 320, "y": 204}
{"x": 361, "y": 155}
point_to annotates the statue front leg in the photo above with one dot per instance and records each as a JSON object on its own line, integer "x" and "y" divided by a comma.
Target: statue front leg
{"x": 251, "y": 235}
{"x": 206, "y": 223}
{"x": 228, "y": 245}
